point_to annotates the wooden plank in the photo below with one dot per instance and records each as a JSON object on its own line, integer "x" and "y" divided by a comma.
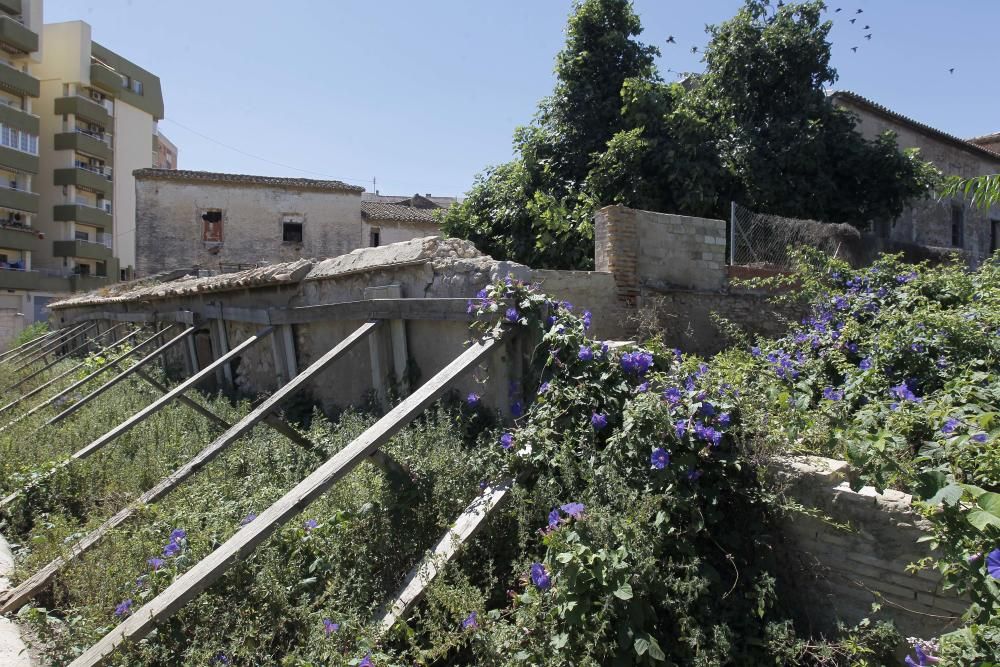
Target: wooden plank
{"x": 31, "y": 343}
{"x": 52, "y": 346}
{"x": 288, "y": 347}
{"x": 85, "y": 343}
{"x": 223, "y": 339}
{"x": 79, "y": 383}
{"x": 30, "y": 587}
{"x": 383, "y": 309}
{"x": 121, "y": 376}
{"x": 67, "y": 372}
{"x": 420, "y": 577}
{"x": 209, "y": 569}
{"x": 32, "y": 346}
{"x": 181, "y": 398}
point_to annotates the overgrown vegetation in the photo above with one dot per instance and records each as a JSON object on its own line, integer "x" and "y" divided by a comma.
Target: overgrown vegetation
{"x": 755, "y": 127}
{"x": 30, "y": 333}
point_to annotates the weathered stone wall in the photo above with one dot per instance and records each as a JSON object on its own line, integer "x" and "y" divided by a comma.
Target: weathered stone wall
{"x": 857, "y": 553}
{"x": 169, "y": 227}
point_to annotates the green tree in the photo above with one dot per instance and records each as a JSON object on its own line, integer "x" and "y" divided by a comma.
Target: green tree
{"x": 984, "y": 191}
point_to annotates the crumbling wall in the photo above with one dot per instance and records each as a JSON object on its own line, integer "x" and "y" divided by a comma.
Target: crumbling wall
{"x": 855, "y": 553}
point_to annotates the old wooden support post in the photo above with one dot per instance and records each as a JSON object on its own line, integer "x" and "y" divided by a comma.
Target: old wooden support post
{"x": 184, "y": 335}
{"x": 191, "y": 357}
{"x": 420, "y": 577}
{"x": 68, "y": 371}
{"x": 245, "y": 541}
{"x": 30, "y": 587}
{"x": 220, "y": 345}
{"x": 376, "y": 347}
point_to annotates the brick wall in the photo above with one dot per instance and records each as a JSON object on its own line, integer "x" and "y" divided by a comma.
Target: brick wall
{"x": 842, "y": 571}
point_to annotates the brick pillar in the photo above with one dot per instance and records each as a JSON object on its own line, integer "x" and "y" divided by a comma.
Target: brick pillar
{"x": 616, "y": 250}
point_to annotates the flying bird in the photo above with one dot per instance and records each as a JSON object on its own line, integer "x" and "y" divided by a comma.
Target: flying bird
{"x": 694, "y": 49}
{"x": 868, "y": 36}
{"x": 670, "y": 40}
{"x": 837, "y": 10}
{"x": 867, "y": 27}
{"x": 853, "y": 20}
{"x": 780, "y": 3}
{"x": 951, "y": 70}
{"x": 860, "y": 11}
{"x": 854, "y": 48}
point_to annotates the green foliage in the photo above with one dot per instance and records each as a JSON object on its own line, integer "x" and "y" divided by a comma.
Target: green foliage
{"x": 982, "y": 191}
{"x": 756, "y": 127}
{"x": 29, "y": 333}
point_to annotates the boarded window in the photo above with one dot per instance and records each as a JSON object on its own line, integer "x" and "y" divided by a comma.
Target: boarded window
{"x": 211, "y": 226}
{"x": 957, "y": 226}
{"x": 291, "y": 232}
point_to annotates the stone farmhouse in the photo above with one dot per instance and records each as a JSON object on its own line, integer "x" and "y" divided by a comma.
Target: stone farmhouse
{"x": 930, "y": 222}
{"x": 222, "y": 222}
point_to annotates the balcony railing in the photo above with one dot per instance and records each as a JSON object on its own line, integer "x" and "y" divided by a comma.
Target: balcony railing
{"x": 100, "y": 206}
{"x": 103, "y": 171}
{"x": 100, "y": 136}
{"x": 100, "y": 238}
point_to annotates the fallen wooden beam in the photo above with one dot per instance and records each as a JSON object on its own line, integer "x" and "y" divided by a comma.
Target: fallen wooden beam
{"x": 39, "y": 388}
{"x": 240, "y": 545}
{"x": 420, "y": 577}
{"x": 121, "y": 376}
{"x": 79, "y": 383}
{"x": 30, "y": 587}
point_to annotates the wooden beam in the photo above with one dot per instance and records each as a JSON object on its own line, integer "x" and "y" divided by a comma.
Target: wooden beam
{"x": 55, "y": 361}
{"x": 32, "y": 346}
{"x": 52, "y": 346}
{"x": 79, "y": 383}
{"x": 382, "y": 309}
{"x": 67, "y": 372}
{"x": 31, "y": 343}
{"x": 30, "y": 587}
{"x": 240, "y": 545}
{"x": 121, "y": 376}
{"x": 420, "y": 577}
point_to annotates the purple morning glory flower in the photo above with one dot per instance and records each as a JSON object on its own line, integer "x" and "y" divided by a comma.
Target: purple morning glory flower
{"x": 172, "y": 549}
{"x": 481, "y": 294}
{"x": 755, "y": 351}
{"x": 585, "y": 354}
{"x": 689, "y": 383}
{"x": 366, "y": 661}
{"x": 693, "y": 475}
{"x": 680, "y": 428}
{"x": 672, "y": 395}
{"x": 512, "y": 315}
{"x": 865, "y": 363}
{"x": 220, "y": 658}
{"x": 642, "y": 388}
{"x": 124, "y": 608}
{"x": 248, "y": 518}
{"x": 660, "y": 458}
{"x": 993, "y": 563}
{"x": 980, "y": 437}
{"x": 707, "y": 409}
{"x": 470, "y": 622}
{"x": 840, "y": 303}
{"x": 587, "y": 319}
{"x": 574, "y": 510}
{"x": 329, "y": 627}
{"x": 516, "y": 409}
{"x": 923, "y": 660}
{"x": 599, "y": 421}
{"x": 472, "y": 400}
{"x": 177, "y": 534}
{"x": 724, "y": 419}
{"x": 638, "y": 362}
{"x": 540, "y": 577}
{"x": 903, "y": 392}
{"x": 310, "y": 524}
{"x": 554, "y": 518}
{"x": 950, "y": 425}
{"x": 507, "y": 440}
{"x": 832, "y": 394}
{"x": 544, "y": 388}
{"x": 852, "y": 347}
{"x": 155, "y": 563}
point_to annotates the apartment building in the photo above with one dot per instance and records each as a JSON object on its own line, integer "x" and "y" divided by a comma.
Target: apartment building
{"x": 164, "y": 152}
{"x": 20, "y": 240}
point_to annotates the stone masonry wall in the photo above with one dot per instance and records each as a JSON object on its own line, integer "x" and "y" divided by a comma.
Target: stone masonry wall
{"x": 857, "y": 554}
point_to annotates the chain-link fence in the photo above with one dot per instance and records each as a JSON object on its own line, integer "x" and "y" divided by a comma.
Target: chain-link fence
{"x": 761, "y": 239}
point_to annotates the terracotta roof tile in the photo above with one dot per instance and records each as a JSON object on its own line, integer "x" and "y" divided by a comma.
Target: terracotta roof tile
{"x": 245, "y": 179}
{"x": 374, "y": 210}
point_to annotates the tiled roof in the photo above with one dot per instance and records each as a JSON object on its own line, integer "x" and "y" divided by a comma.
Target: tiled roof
{"x": 374, "y": 210}
{"x": 441, "y": 202}
{"x": 920, "y": 127}
{"x": 244, "y": 179}
{"x": 985, "y": 139}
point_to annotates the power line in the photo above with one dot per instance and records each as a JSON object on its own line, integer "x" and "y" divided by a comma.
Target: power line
{"x": 263, "y": 159}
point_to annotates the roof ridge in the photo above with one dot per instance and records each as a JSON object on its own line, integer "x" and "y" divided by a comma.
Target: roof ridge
{"x": 223, "y": 177}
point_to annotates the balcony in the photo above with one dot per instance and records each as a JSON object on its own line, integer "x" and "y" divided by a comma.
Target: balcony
{"x": 82, "y": 213}
{"x": 18, "y": 160}
{"x": 85, "y": 142}
{"x": 12, "y": 116}
{"x": 11, "y": 7}
{"x": 106, "y": 78}
{"x": 86, "y": 178}
{"x": 86, "y": 283}
{"x": 16, "y": 37}
{"x": 83, "y": 107}
{"x": 19, "y": 200}
{"x": 18, "y": 82}
{"x": 20, "y": 238}
{"x": 33, "y": 280}
{"x": 84, "y": 249}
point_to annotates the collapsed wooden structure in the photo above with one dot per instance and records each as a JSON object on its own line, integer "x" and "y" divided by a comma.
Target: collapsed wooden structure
{"x": 380, "y": 317}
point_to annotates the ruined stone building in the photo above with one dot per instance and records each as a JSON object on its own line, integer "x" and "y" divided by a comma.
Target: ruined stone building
{"x": 221, "y": 222}
{"x": 947, "y": 223}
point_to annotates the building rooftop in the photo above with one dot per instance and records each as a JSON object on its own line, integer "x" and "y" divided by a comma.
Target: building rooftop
{"x": 243, "y": 179}
{"x": 985, "y": 139}
{"x": 926, "y": 130}
{"x": 374, "y": 210}
{"x": 416, "y": 200}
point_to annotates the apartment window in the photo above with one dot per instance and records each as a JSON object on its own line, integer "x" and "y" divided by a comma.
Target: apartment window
{"x": 374, "y": 237}
{"x": 18, "y": 140}
{"x": 82, "y": 236}
{"x": 957, "y": 226}
{"x": 994, "y": 235}
{"x": 137, "y": 86}
{"x": 211, "y": 226}
{"x": 291, "y": 232}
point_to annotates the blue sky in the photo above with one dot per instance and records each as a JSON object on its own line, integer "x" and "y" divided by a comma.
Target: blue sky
{"x": 423, "y": 95}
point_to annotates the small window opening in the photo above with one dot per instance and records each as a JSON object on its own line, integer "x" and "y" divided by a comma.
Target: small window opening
{"x": 994, "y": 235}
{"x": 957, "y": 226}
{"x": 291, "y": 232}
{"x": 374, "y": 237}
